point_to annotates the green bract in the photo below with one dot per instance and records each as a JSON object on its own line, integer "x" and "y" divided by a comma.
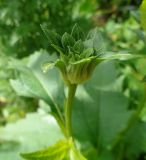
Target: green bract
{"x": 78, "y": 56}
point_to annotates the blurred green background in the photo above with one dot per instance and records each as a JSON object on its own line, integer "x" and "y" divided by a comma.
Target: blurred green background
{"x": 118, "y": 84}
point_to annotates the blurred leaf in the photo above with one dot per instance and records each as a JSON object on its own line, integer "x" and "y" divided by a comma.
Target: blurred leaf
{"x": 104, "y": 76}
{"x": 17, "y": 28}
{"x": 95, "y": 40}
{"x": 77, "y": 33}
{"x": 143, "y": 14}
{"x": 106, "y": 155}
{"x": 144, "y": 79}
{"x": 136, "y": 141}
{"x": 67, "y": 40}
{"x": 28, "y": 85}
{"x": 119, "y": 56}
{"x": 32, "y": 82}
{"x": 101, "y": 105}
{"x": 58, "y": 151}
{"x": 53, "y": 37}
{"x": 76, "y": 155}
{"x": 51, "y": 80}
{"x": 8, "y": 144}
{"x": 141, "y": 35}
{"x": 78, "y": 47}
{"x": 62, "y": 150}
{"x": 58, "y": 49}
{"x": 136, "y": 15}
{"x": 32, "y": 133}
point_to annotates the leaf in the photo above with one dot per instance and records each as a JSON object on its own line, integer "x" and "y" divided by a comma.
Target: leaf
{"x": 32, "y": 82}
{"x": 104, "y": 76}
{"x": 95, "y": 41}
{"x": 24, "y": 133}
{"x": 102, "y": 106}
{"x": 106, "y": 155}
{"x": 119, "y": 56}
{"x": 76, "y": 155}
{"x": 87, "y": 53}
{"x": 143, "y": 14}
{"x": 52, "y": 37}
{"x": 67, "y": 40}
{"x": 98, "y": 110}
{"x": 29, "y": 86}
{"x": 59, "y": 64}
{"x": 62, "y": 150}
{"x": 59, "y": 151}
{"x": 58, "y": 49}
{"x": 140, "y": 34}
{"x": 77, "y": 33}
{"x": 78, "y": 47}
{"x": 5, "y": 145}
{"x": 136, "y": 141}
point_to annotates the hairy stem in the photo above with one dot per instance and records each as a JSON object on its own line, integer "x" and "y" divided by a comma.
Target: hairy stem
{"x": 68, "y": 109}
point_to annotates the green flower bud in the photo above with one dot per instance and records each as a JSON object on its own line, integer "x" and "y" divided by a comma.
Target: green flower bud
{"x": 75, "y": 72}
{"x": 78, "y": 56}
{"x": 80, "y": 71}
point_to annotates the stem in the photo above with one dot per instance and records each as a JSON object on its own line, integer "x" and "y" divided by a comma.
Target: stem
{"x": 68, "y": 109}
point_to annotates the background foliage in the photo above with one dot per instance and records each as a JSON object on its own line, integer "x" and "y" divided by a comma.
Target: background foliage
{"x": 103, "y": 106}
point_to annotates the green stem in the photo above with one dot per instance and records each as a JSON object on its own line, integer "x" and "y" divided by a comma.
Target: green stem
{"x": 68, "y": 109}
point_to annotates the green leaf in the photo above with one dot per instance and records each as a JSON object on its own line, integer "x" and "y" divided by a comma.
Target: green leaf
{"x": 76, "y": 155}
{"x": 67, "y": 40}
{"x": 77, "y": 33}
{"x": 87, "y": 53}
{"x": 58, "y": 49}
{"x": 119, "y": 56}
{"x": 136, "y": 140}
{"x": 104, "y": 77}
{"x": 96, "y": 98}
{"x": 78, "y": 47}
{"x": 59, "y": 151}
{"x": 95, "y": 41}
{"x": 102, "y": 106}
{"x": 29, "y": 86}
{"x": 143, "y": 14}
{"x": 62, "y": 150}
{"x": 58, "y": 64}
{"x": 32, "y": 82}
{"x": 141, "y": 35}
{"x": 106, "y": 155}
{"x": 23, "y": 132}
{"x": 52, "y": 37}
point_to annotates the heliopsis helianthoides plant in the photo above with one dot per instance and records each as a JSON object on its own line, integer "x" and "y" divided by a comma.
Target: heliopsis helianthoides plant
{"x": 78, "y": 56}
